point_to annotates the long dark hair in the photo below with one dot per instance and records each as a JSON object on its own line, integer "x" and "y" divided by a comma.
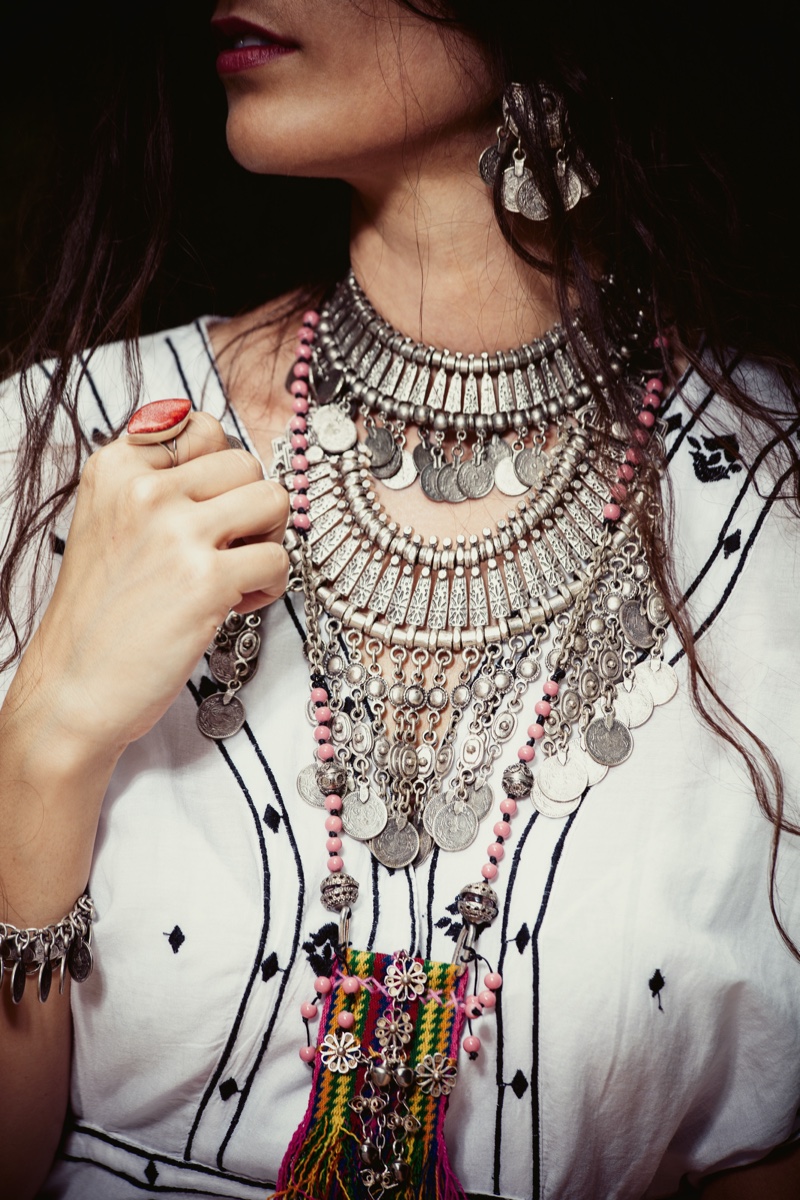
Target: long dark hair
{"x": 680, "y": 115}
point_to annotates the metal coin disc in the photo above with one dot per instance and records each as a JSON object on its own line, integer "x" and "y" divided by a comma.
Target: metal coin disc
{"x": 455, "y": 827}
{"x": 222, "y": 664}
{"x": 489, "y": 165}
{"x": 391, "y": 468}
{"x": 334, "y": 430}
{"x": 431, "y": 811}
{"x": 633, "y": 707}
{"x": 480, "y": 799}
{"x": 531, "y": 202}
{"x": 307, "y": 787}
{"x": 496, "y": 450}
{"x": 396, "y": 847}
{"x": 218, "y": 720}
{"x": 595, "y": 771}
{"x": 429, "y": 482}
{"x": 570, "y": 188}
{"x": 423, "y": 456}
{"x": 505, "y": 478}
{"x": 609, "y": 746}
{"x": 635, "y": 625}
{"x": 426, "y": 844}
{"x": 363, "y": 820}
{"x": 553, "y": 809}
{"x": 79, "y": 960}
{"x": 405, "y": 475}
{"x": 530, "y": 466}
{"x": 447, "y": 482}
{"x": 661, "y": 684}
{"x": 325, "y": 389}
{"x": 562, "y": 781}
{"x": 381, "y": 446}
{"x": 476, "y": 479}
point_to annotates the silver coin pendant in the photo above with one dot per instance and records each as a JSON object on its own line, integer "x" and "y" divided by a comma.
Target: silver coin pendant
{"x": 610, "y": 746}
{"x": 456, "y": 827}
{"x": 219, "y": 720}
{"x": 394, "y": 846}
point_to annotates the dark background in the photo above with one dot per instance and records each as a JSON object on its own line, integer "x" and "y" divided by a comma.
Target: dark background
{"x": 58, "y": 61}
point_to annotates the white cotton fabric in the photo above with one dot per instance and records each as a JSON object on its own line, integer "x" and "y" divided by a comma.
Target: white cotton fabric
{"x": 186, "y": 1077}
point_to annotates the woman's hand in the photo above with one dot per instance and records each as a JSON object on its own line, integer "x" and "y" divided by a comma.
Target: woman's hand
{"x": 155, "y": 558}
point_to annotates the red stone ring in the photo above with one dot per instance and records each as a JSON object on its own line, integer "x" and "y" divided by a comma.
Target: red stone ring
{"x": 159, "y": 422}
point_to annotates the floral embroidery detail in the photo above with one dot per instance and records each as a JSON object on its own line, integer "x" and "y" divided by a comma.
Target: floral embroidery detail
{"x": 405, "y": 977}
{"x": 394, "y": 1030}
{"x": 436, "y": 1075}
{"x": 340, "y": 1052}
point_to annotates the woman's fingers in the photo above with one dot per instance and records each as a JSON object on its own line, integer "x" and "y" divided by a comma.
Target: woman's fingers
{"x": 203, "y": 435}
{"x": 212, "y": 475}
{"x": 258, "y": 509}
{"x": 260, "y": 572}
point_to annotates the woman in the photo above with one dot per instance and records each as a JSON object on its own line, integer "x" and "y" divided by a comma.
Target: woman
{"x": 644, "y": 1034}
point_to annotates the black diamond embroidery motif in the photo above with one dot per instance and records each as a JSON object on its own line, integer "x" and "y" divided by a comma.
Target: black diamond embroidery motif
{"x": 228, "y": 1089}
{"x": 208, "y": 687}
{"x": 151, "y": 1172}
{"x": 269, "y": 967}
{"x": 522, "y": 939}
{"x": 519, "y": 1085}
{"x": 175, "y": 939}
{"x": 732, "y": 543}
{"x": 272, "y": 818}
{"x": 656, "y": 983}
{"x": 58, "y": 545}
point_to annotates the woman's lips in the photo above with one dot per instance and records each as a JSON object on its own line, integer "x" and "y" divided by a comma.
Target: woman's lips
{"x": 245, "y": 45}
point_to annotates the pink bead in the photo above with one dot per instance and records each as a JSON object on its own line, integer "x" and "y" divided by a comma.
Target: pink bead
{"x": 493, "y": 980}
{"x": 300, "y": 503}
{"x": 299, "y": 441}
{"x": 300, "y": 370}
{"x": 489, "y": 871}
{"x": 632, "y": 455}
{"x": 300, "y": 405}
{"x": 550, "y": 687}
{"x": 325, "y": 752}
{"x": 646, "y": 418}
{"x": 299, "y": 462}
{"x": 654, "y": 385}
{"x": 333, "y": 845}
{"x": 471, "y": 1044}
{"x": 323, "y": 985}
{"x": 625, "y": 471}
{"x": 661, "y": 343}
{"x": 299, "y": 387}
{"x": 652, "y": 400}
{"x": 611, "y": 512}
{"x": 307, "y": 1053}
{"x": 333, "y": 824}
{"x": 311, "y": 318}
{"x": 319, "y": 695}
{"x": 495, "y": 850}
{"x": 322, "y": 734}
{"x": 472, "y": 1007}
{"x": 508, "y": 806}
{"x": 501, "y": 829}
{"x": 641, "y": 436}
{"x": 335, "y": 862}
{"x": 333, "y": 802}
{"x": 308, "y": 1010}
{"x": 542, "y": 707}
{"x": 350, "y": 984}
{"x": 345, "y": 1020}
{"x": 298, "y": 424}
{"x": 306, "y": 335}
{"x": 304, "y": 352}
{"x": 526, "y": 753}
{"x": 301, "y": 520}
{"x": 487, "y": 999}
{"x": 618, "y": 491}
{"x": 300, "y": 483}
{"x": 322, "y": 714}
{"x": 535, "y": 731}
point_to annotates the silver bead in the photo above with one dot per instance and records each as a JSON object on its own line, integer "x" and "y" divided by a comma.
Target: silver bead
{"x": 518, "y": 781}
{"x": 331, "y": 777}
{"x": 338, "y": 890}
{"x": 477, "y": 903}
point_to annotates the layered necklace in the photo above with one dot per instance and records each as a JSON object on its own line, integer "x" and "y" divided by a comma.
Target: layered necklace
{"x": 422, "y": 656}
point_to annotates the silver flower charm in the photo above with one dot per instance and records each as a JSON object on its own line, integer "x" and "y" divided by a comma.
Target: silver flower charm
{"x": 405, "y": 978}
{"x": 436, "y": 1075}
{"x": 394, "y": 1030}
{"x": 340, "y": 1052}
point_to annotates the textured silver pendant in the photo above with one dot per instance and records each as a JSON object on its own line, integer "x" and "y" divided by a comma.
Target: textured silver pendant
{"x": 405, "y": 474}
{"x": 661, "y": 684}
{"x": 333, "y": 429}
{"x": 429, "y": 482}
{"x": 447, "y": 484}
{"x": 219, "y": 720}
{"x": 381, "y": 445}
{"x": 423, "y": 456}
{"x": 531, "y": 202}
{"x": 391, "y": 468}
{"x": 363, "y": 819}
{"x": 610, "y": 746}
{"x": 394, "y": 846}
{"x": 489, "y": 165}
{"x": 475, "y": 479}
{"x": 562, "y": 781}
{"x": 506, "y": 479}
{"x": 456, "y": 826}
{"x": 554, "y": 809}
{"x": 530, "y": 466}
{"x": 633, "y": 707}
{"x": 636, "y": 626}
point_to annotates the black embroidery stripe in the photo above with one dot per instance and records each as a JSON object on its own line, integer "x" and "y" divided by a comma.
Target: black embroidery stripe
{"x": 181, "y": 371}
{"x": 712, "y": 616}
{"x": 676, "y": 391}
{"x": 376, "y": 903}
{"x": 412, "y": 909}
{"x": 301, "y": 889}
{"x": 259, "y": 956}
{"x": 287, "y": 600}
{"x": 100, "y": 1135}
{"x": 87, "y": 374}
{"x": 498, "y": 1118}
{"x": 153, "y": 1188}
{"x": 213, "y": 363}
{"x": 535, "y": 1100}
{"x": 431, "y": 891}
{"x": 695, "y": 415}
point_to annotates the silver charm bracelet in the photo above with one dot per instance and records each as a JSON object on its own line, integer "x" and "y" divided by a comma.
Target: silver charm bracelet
{"x": 28, "y": 952}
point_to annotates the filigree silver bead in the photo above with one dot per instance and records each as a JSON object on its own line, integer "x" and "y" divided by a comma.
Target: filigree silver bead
{"x": 477, "y": 903}
{"x": 518, "y": 781}
{"x": 331, "y": 777}
{"x": 338, "y": 891}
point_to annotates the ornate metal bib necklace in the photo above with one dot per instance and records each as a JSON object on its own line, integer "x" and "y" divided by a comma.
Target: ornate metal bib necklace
{"x": 559, "y": 590}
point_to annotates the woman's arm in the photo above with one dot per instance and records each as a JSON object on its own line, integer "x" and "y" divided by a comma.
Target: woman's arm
{"x": 148, "y": 573}
{"x": 776, "y": 1177}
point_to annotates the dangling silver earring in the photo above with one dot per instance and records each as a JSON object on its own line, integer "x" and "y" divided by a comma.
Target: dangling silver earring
{"x": 575, "y": 176}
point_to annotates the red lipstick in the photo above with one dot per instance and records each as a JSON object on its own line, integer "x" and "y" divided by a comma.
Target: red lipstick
{"x": 245, "y": 45}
